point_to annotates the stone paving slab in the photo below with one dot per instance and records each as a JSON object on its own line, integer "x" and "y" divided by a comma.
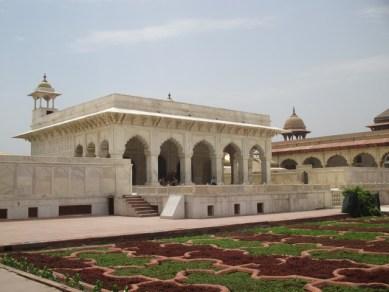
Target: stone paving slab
{"x": 15, "y": 283}
{"x": 62, "y": 229}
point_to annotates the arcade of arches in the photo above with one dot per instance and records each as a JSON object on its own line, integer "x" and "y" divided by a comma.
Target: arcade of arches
{"x": 337, "y": 160}
{"x": 173, "y": 165}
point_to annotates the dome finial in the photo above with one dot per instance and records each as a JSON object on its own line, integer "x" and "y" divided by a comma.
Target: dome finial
{"x": 44, "y": 77}
{"x": 294, "y": 111}
{"x": 169, "y": 96}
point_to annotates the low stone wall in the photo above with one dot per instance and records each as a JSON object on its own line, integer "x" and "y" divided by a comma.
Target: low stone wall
{"x": 49, "y": 182}
{"x": 333, "y": 176}
{"x": 252, "y": 199}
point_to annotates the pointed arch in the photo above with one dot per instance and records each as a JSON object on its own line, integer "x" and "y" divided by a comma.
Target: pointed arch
{"x": 315, "y": 162}
{"x": 232, "y": 164}
{"x": 136, "y": 149}
{"x": 91, "y": 150}
{"x": 79, "y": 151}
{"x": 257, "y": 163}
{"x": 104, "y": 149}
{"x": 169, "y": 162}
{"x": 385, "y": 160}
{"x": 364, "y": 160}
{"x": 203, "y": 163}
{"x": 336, "y": 161}
{"x": 289, "y": 164}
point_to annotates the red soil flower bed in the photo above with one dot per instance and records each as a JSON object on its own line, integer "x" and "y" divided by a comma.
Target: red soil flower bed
{"x": 171, "y": 287}
{"x": 379, "y": 275}
{"x": 305, "y": 266}
{"x": 358, "y": 244}
{"x": 91, "y": 276}
{"x": 379, "y": 246}
{"x": 42, "y": 260}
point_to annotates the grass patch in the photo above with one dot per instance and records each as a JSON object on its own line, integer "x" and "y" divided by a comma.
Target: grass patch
{"x": 292, "y": 231}
{"x": 354, "y": 235}
{"x": 185, "y": 239}
{"x": 281, "y": 249}
{"x": 68, "y": 252}
{"x": 114, "y": 259}
{"x": 253, "y": 247}
{"x": 242, "y": 282}
{"x": 373, "y": 259}
{"x": 352, "y": 289}
{"x": 166, "y": 269}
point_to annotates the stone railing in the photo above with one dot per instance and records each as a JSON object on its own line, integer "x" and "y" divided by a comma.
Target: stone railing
{"x": 226, "y": 189}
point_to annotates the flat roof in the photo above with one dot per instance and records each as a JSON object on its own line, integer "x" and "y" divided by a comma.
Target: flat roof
{"x": 152, "y": 114}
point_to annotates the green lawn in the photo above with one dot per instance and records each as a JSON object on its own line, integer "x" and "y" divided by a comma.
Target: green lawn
{"x": 374, "y": 259}
{"x": 68, "y": 252}
{"x": 242, "y": 282}
{"x": 352, "y": 289}
{"x": 281, "y": 249}
{"x": 291, "y": 231}
{"x": 115, "y": 259}
{"x": 166, "y": 269}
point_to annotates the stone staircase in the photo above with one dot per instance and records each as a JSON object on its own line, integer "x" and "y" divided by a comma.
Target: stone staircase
{"x": 140, "y": 206}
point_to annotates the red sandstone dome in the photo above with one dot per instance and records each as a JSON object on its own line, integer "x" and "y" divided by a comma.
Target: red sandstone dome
{"x": 295, "y": 127}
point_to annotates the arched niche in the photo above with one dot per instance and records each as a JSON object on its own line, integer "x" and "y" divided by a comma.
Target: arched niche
{"x": 257, "y": 165}
{"x": 232, "y": 164}
{"x": 136, "y": 149}
{"x": 169, "y": 162}
{"x": 289, "y": 164}
{"x": 364, "y": 160}
{"x": 203, "y": 163}
{"x": 336, "y": 161}
{"x": 313, "y": 161}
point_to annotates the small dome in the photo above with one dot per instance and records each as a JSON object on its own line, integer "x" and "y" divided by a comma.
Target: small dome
{"x": 294, "y": 122}
{"x": 44, "y": 83}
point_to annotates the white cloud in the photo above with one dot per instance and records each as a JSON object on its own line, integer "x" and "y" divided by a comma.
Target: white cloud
{"x": 165, "y": 31}
{"x": 375, "y": 12}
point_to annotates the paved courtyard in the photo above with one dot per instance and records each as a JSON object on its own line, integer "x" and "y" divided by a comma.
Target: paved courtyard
{"x": 13, "y": 282}
{"x": 36, "y": 231}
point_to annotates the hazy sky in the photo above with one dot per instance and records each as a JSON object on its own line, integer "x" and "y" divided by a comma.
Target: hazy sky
{"x": 328, "y": 58}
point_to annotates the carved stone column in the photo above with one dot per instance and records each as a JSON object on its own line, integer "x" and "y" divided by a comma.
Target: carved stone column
{"x": 152, "y": 169}
{"x": 246, "y": 171}
{"x": 187, "y": 170}
{"x": 219, "y": 170}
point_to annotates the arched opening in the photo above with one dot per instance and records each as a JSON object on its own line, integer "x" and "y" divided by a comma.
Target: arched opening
{"x": 289, "y": 164}
{"x": 91, "y": 150}
{"x": 364, "y": 160}
{"x": 315, "y": 162}
{"x": 79, "y": 151}
{"x": 104, "y": 149}
{"x": 136, "y": 151}
{"x": 257, "y": 166}
{"x": 202, "y": 164}
{"x": 336, "y": 161}
{"x": 232, "y": 163}
{"x": 385, "y": 160}
{"x": 169, "y": 167}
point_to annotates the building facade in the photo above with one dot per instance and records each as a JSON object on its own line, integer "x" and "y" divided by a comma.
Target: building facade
{"x": 363, "y": 149}
{"x": 168, "y": 142}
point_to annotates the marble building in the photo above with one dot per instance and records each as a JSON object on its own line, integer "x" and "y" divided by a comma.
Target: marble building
{"x": 135, "y": 156}
{"x": 167, "y": 141}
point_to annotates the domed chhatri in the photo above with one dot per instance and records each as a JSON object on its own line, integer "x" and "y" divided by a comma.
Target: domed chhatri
{"x": 294, "y": 127}
{"x": 46, "y": 92}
